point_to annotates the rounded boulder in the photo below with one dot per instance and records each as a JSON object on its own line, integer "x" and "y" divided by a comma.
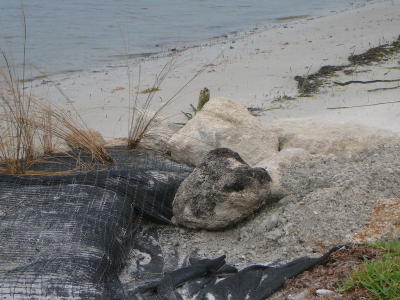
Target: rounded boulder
{"x": 220, "y": 192}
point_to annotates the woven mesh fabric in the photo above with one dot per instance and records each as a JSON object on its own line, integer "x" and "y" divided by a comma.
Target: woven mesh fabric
{"x": 65, "y": 236}
{"x": 60, "y": 241}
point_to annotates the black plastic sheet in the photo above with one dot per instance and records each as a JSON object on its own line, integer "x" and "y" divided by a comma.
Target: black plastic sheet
{"x": 164, "y": 277}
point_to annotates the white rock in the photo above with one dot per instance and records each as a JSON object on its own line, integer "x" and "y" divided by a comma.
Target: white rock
{"x": 223, "y": 123}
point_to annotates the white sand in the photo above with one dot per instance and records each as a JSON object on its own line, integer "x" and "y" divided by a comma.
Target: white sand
{"x": 260, "y": 67}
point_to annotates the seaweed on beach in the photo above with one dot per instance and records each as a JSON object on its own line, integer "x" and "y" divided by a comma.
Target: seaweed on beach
{"x": 309, "y": 85}
{"x": 150, "y": 90}
{"x": 376, "y": 54}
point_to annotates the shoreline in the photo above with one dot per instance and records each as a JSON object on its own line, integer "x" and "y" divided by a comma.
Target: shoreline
{"x": 161, "y": 49}
{"x": 217, "y": 40}
{"x": 254, "y": 69}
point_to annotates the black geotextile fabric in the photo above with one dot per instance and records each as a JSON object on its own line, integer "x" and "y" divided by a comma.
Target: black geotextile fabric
{"x": 65, "y": 236}
{"x": 175, "y": 277}
{"x": 148, "y": 181}
{"x": 69, "y": 236}
{"x": 60, "y": 242}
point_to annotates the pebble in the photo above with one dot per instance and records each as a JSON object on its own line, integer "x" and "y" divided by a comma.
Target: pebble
{"x": 323, "y": 292}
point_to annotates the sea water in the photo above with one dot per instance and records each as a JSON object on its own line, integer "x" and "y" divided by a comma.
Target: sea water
{"x": 67, "y": 35}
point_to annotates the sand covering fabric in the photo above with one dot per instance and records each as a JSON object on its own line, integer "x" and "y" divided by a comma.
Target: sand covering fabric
{"x": 170, "y": 276}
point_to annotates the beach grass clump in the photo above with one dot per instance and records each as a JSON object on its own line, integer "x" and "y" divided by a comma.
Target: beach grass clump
{"x": 69, "y": 127}
{"x": 28, "y": 128}
{"x": 380, "y": 277}
{"x": 25, "y": 122}
{"x": 17, "y": 136}
{"x": 144, "y": 123}
{"x": 141, "y": 119}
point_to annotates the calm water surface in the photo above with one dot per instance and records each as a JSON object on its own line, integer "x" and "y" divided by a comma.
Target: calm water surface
{"x": 81, "y": 34}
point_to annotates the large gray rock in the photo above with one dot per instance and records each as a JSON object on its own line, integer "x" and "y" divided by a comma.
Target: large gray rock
{"x": 223, "y": 123}
{"x": 220, "y": 192}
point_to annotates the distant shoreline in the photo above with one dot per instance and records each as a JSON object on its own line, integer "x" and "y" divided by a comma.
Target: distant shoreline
{"x": 233, "y": 36}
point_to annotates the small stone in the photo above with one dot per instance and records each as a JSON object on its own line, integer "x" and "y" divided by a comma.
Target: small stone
{"x": 323, "y": 292}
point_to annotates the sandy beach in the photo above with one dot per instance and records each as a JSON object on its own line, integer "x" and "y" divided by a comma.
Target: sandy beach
{"x": 253, "y": 190}
{"x": 256, "y": 69}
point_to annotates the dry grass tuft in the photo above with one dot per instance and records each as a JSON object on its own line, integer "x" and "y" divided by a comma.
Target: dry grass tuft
{"x": 140, "y": 119}
{"x": 143, "y": 123}
{"x": 16, "y": 136}
{"x": 26, "y": 122}
{"x": 70, "y": 128}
